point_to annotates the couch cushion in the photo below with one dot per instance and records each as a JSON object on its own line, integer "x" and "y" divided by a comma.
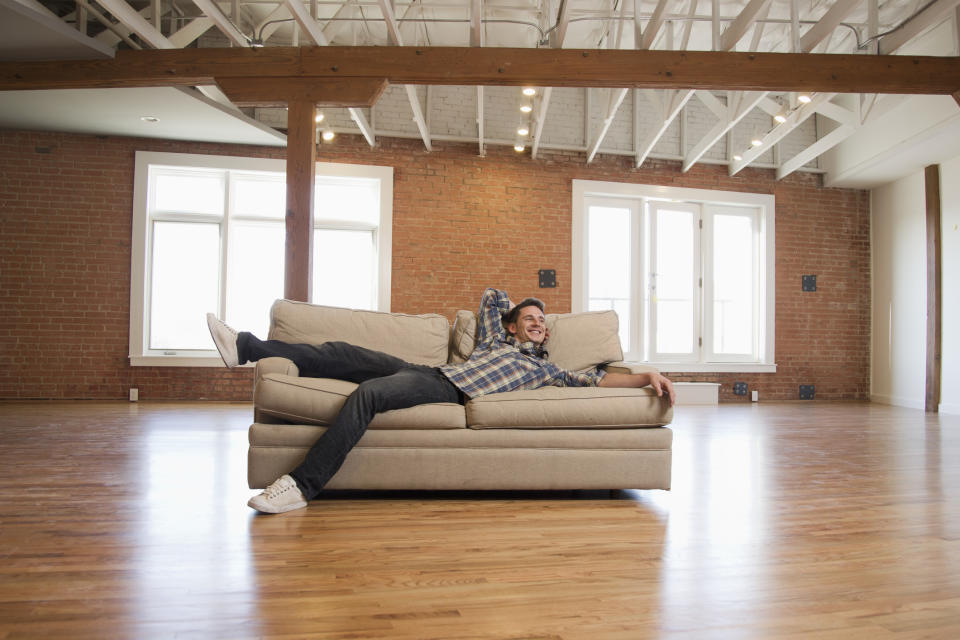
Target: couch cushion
{"x": 577, "y": 340}
{"x": 318, "y": 401}
{"x": 569, "y": 407}
{"x": 419, "y": 339}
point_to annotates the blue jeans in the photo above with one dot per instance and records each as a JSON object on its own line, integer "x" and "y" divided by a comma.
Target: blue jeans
{"x": 385, "y": 383}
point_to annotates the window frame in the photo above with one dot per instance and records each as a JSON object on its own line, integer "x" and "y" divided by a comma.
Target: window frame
{"x": 585, "y": 192}
{"x": 140, "y": 354}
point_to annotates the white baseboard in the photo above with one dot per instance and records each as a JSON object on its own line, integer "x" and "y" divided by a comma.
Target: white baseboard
{"x": 696, "y": 392}
{"x": 898, "y": 401}
{"x": 949, "y": 407}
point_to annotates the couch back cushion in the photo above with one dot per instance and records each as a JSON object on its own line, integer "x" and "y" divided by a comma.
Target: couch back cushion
{"x": 419, "y": 339}
{"x": 577, "y": 340}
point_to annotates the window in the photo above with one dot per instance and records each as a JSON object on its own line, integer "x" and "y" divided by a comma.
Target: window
{"x": 690, "y": 272}
{"x": 209, "y": 235}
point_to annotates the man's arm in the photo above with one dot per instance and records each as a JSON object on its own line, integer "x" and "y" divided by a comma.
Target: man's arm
{"x": 659, "y": 383}
{"x": 493, "y": 303}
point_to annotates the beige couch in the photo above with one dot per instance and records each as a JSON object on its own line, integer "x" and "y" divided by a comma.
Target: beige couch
{"x": 549, "y": 438}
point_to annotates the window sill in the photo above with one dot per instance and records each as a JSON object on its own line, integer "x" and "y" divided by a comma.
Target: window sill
{"x": 714, "y": 367}
{"x": 180, "y": 361}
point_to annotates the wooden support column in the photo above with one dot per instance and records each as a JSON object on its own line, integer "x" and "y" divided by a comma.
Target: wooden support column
{"x": 301, "y": 171}
{"x": 932, "y": 184}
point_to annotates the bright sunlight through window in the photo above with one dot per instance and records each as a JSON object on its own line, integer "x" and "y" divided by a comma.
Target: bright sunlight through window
{"x": 209, "y": 235}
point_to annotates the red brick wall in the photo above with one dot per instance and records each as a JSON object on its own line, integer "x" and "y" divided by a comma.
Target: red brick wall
{"x": 461, "y": 223}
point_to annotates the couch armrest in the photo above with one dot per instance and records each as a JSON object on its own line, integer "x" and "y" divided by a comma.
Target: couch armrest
{"x": 275, "y": 365}
{"x": 629, "y": 367}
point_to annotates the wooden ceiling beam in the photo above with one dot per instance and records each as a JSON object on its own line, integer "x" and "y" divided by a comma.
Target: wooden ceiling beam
{"x": 279, "y": 92}
{"x": 743, "y": 71}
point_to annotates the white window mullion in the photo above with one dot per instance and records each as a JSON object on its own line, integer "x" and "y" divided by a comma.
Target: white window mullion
{"x": 638, "y": 285}
{"x": 225, "y": 229}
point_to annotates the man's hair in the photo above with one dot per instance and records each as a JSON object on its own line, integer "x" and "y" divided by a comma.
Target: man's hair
{"x": 511, "y": 316}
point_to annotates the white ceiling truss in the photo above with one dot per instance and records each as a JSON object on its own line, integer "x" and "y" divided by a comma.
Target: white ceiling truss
{"x": 736, "y": 128}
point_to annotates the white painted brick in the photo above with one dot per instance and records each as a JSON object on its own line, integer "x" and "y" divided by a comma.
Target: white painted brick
{"x": 757, "y": 122}
{"x": 798, "y": 140}
{"x": 502, "y": 116}
{"x": 699, "y": 121}
{"x": 394, "y": 115}
{"x": 564, "y": 125}
{"x": 453, "y": 111}
{"x": 619, "y": 136}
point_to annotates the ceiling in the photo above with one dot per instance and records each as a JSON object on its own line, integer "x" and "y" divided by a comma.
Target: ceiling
{"x": 48, "y": 30}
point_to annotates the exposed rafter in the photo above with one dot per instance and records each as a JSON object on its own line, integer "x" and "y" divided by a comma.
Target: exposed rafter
{"x": 794, "y": 119}
{"x": 932, "y": 14}
{"x": 616, "y": 96}
{"x": 190, "y": 32}
{"x": 313, "y": 31}
{"x": 743, "y": 22}
{"x": 739, "y": 103}
{"x": 674, "y": 100}
{"x": 137, "y": 24}
{"x": 213, "y": 12}
{"x": 477, "y": 40}
{"x": 818, "y": 34}
{"x": 393, "y": 34}
{"x": 557, "y": 37}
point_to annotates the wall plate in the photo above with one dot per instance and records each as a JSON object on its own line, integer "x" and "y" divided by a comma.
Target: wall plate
{"x": 806, "y": 391}
{"x": 548, "y": 278}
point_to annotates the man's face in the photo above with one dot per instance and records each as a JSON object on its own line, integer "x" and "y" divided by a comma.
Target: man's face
{"x": 531, "y": 325}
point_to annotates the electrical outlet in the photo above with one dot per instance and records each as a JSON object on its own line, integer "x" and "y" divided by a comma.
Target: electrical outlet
{"x": 806, "y": 391}
{"x": 134, "y": 394}
{"x": 755, "y": 395}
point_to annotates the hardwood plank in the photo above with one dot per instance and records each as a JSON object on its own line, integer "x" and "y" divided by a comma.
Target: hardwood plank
{"x": 796, "y": 520}
{"x": 719, "y": 70}
{"x": 934, "y": 288}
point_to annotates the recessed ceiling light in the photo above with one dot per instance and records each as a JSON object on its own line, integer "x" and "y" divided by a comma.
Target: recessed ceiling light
{"x": 523, "y": 131}
{"x": 518, "y": 147}
{"x": 529, "y": 91}
{"x": 756, "y": 142}
{"x": 328, "y": 135}
{"x": 737, "y": 157}
{"x": 804, "y": 98}
{"x": 526, "y": 108}
{"x": 780, "y": 118}
{"x": 150, "y": 119}
{"x": 318, "y": 117}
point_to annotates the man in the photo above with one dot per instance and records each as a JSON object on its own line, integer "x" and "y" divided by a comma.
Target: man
{"x": 509, "y": 356}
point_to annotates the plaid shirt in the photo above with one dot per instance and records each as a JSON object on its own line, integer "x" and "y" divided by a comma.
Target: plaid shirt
{"x": 501, "y": 363}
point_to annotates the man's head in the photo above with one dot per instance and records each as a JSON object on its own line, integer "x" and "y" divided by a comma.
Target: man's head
{"x": 527, "y": 321}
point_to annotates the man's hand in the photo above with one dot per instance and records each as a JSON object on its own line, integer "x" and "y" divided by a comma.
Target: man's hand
{"x": 661, "y": 384}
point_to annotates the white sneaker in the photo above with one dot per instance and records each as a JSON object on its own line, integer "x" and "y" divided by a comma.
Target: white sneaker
{"x": 281, "y": 496}
{"x": 225, "y": 338}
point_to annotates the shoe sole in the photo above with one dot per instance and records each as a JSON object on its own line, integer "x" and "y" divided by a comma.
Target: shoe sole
{"x": 217, "y": 343}
{"x": 271, "y": 510}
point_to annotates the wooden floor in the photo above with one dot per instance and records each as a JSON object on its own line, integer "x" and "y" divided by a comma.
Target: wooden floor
{"x": 785, "y": 521}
